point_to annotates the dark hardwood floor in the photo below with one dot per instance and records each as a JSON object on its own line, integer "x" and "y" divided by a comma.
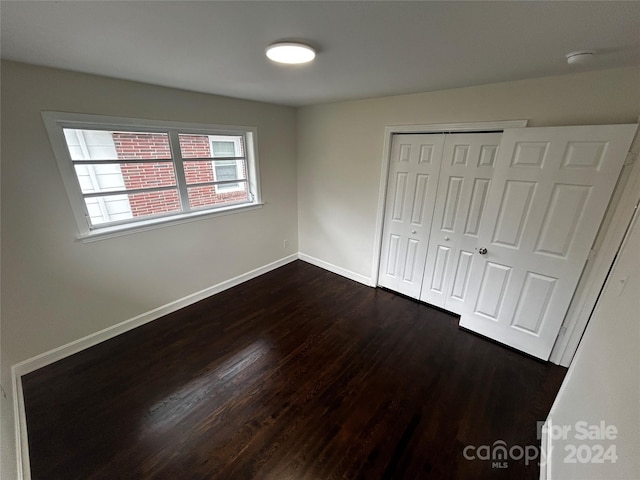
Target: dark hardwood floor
{"x": 297, "y": 374}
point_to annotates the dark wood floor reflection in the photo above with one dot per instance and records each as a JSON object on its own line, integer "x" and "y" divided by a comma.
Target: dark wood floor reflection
{"x": 297, "y": 374}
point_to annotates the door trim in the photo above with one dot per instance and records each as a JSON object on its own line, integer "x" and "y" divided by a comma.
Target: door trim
{"x": 618, "y": 216}
{"x": 389, "y": 131}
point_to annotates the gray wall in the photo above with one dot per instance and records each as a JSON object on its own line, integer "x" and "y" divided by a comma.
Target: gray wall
{"x": 56, "y": 289}
{"x": 603, "y": 383}
{"x": 340, "y": 146}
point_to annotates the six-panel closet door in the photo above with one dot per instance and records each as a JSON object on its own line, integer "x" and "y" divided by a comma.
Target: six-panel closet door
{"x": 411, "y": 193}
{"x": 497, "y": 227}
{"x": 551, "y": 187}
{"x": 465, "y": 177}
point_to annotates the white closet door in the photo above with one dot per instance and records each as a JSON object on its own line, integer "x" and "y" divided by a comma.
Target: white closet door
{"x": 550, "y": 189}
{"x": 411, "y": 193}
{"x": 467, "y": 168}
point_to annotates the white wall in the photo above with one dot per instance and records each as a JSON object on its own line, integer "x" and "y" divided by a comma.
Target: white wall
{"x": 603, "y": 382}
{"x": 56, "y": 289}
{"x": 340, "y": 146}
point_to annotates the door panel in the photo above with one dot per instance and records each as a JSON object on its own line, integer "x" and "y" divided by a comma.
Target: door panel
{"x": 438, "y": 277}
{"x": 476, "y": 207}
{"x": 411, "y": 193}
{"x": 533, "y": 302}
{"x": 550, "y": 189}
{"x": 398, "y": 198}
{"x": 463, "y": 186}
{"x": 492, "y": 287}
{"x": 393, "y": 250}
{"x": 513, "y": 213}
{"x": 451, "y": 205}
{"x": 557, "y": 234}
{"x": 461, "y": 275}
{"x": 419, "y": 200}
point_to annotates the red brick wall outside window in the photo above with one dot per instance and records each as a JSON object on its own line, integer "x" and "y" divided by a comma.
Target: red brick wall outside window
{"x": 161, "y": 174}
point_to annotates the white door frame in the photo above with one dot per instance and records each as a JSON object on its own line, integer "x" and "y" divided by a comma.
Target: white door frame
{"x": 591, "y": 283}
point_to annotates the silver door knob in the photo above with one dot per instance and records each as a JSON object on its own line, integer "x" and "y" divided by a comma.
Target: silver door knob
{"x": 482, "y": 251}
{"x": 446, "y": 239}
{"x": 413, "y": 231}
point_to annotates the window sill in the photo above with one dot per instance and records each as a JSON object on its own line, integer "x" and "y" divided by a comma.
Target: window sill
{"x": 153, "y": 224}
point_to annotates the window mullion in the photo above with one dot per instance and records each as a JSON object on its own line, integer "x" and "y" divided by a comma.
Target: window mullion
{"x": 181, "y": 181}
{"x": 216, "y": 159}
{"x": 245, "y": 163}
{"x": 131, "y": 191}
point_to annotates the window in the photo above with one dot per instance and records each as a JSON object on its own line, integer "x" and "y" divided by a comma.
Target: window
{"x": 226, "y": 169}
{"x": 122, "y": 174}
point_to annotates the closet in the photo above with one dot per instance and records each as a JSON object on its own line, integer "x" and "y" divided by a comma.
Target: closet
{"x": 497, "y": 227}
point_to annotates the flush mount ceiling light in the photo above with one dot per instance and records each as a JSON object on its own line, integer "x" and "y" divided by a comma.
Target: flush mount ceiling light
{"x": 290, "y": 52}
{"x": 579, "y": 58}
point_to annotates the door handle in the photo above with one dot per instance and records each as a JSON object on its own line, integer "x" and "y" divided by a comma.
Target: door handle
{"x": 413, "y": 232}
{"x": 482, "y": 250}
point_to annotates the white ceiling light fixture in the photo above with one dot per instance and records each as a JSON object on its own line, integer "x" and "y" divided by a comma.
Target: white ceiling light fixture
{"x": 579, "y": 58}
{"x": 292, "y": 53}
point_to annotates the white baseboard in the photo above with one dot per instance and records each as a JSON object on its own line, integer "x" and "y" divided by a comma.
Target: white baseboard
{"x": 335, "y": 269}
{"x": 46, "y": 358}
{"x": 76, "y": 346}
{"x": 23, "y": 468}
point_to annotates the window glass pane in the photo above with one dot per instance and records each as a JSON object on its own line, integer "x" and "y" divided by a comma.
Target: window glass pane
{"x": 126, "y": 176}
{"x": 113, "y": 208}
{"x": 210, "y": 195}
{"x": 111, "y": 145}
{"x": 198, "y": 172}
{"x": 108, "y": 209}
{"x": 223, "y": 149}
{"x": 211, "y": 146}
{"x": 221, "y": 170}
{"x": 226, "y": 170}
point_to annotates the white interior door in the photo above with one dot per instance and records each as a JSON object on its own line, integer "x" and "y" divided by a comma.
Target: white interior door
{"x": 550, "y": 189}
{"x": 465, "y": 177}
{"x": 411, "y": 193}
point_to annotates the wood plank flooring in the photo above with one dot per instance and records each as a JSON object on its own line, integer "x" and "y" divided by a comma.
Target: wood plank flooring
{"x": 297, "y": 374}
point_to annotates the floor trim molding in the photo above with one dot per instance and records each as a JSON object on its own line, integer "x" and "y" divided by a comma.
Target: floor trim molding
{"x": 336, "y": 269}
{"x": 23, "y": 468}
{"x": 46, "y": 358}
{"x": 76, "y": 346}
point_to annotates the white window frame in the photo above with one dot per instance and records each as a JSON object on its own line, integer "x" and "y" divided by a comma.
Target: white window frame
{"x": 228, "y": 188}
{"x": 55, "y": 122}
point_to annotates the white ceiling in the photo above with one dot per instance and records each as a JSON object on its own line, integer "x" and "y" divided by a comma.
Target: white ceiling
{"x": 366, "y": 48}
